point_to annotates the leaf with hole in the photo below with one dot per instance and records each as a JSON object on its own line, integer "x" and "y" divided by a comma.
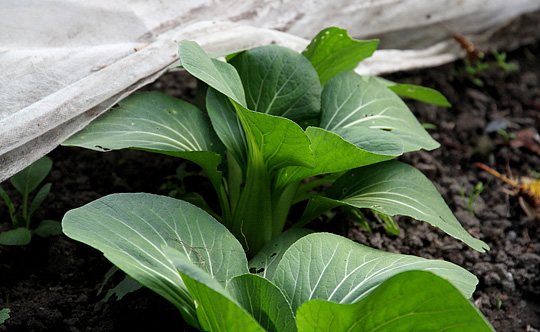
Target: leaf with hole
{"x": 351, "y": 101}
{"x": 130, "y": 229}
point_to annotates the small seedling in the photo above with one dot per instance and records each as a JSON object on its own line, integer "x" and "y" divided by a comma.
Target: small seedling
{"x": 506, "y": 135}
{"x": 475, "y": 192}
{"x": 26, "y": 182}
{"x": 475, "y": 62}
{"x": 501, "y": 63}
{"x": 499, "y": 303}
{"x": 474, "y": 68}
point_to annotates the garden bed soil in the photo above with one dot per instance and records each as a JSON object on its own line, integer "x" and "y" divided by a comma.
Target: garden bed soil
{"x": 52, "y": 284}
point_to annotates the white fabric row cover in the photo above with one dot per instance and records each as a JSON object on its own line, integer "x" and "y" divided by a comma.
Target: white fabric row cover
{"x": 65, "y": 62}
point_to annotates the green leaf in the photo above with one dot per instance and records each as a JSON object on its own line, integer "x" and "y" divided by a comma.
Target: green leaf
{"x": 131, "y": 229}
{"x": 357, "y": 215}
{"x": 48, "y": 228}
{"x": 195, "y": 270}
{"x": 268, "y": 258}
{"x": 126, "y": 286}
{"x": 330, "y": 267}
{"x": 332, "y": 51}
{"x": 279, "y": 141}
{"x": 217, "y": 309}
{"x": 260, "y": 299}
{"x": 315, "y": 207}
{"x": 9, "y": 203}
{"x": 409, "y": 301}
{"x": 333, "y": 153}
{"x": 16, "y": 237}
{"x": 274, "y": 142}
{"x": 279, "y": 81}
{"x": 156, "y": 122}
{"x": 4, "y": 315}
{"x": 378, "y": 142}
{"x": 387, "y": 221}
{"x": 217, "y": 312}
{"x": 394, "y": 188}
{"x": 150, "y": 121}
{"x": 416, "y": 92}
{"x": 227, "y": 125}
{"x": 264, "y": 301}
{"x": 217, "y": 74}
{"x": 19, "y": 221}
{"x": 351, "y": 102}
{"x": 29, "y": 178}
{"x": 39, "y": 198}
{"x": 421, "y": 93}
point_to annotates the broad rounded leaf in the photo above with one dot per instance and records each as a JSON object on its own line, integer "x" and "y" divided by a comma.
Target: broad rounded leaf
{"x": 330, "y": 267}
{"x": 156, "y": 122}
{"x": 16, "y": 237}
{"x": 48, "y": 228}
{"x": 332, "y": 51}
{"x": 150, "y": 121}
{"x": 409, "y": 301}
{"x": 264, "y": 301}
{"x": 131, "y": 230}
{"x": 350, "y": 101}
{"x": 279, "y": 81}
{"x": 394, "y": 188}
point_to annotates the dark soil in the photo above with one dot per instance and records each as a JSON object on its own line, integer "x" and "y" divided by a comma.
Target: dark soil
{"x": 52, "y": 284}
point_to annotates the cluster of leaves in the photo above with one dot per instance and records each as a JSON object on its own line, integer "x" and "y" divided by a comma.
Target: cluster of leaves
{"x": 476, "y": 66}
{"x": 25, "y": 182}
{"x": 277, "y": 125}
{"x": 473, "y": 194}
